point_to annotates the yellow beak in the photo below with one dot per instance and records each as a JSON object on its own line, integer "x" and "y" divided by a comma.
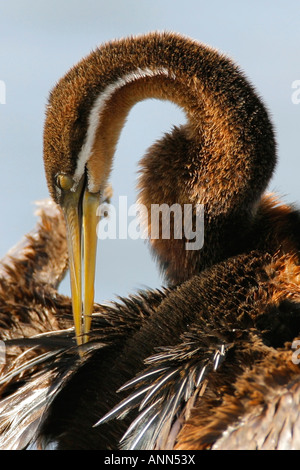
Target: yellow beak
{"x": 80, "y": 211}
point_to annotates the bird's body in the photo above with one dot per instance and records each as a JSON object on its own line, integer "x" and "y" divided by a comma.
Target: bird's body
{"x": 223, "y": 362}
{"x": 210, "y": 353}
{"x": 207, "y": 362}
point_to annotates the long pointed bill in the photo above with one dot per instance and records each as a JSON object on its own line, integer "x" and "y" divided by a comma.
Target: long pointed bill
{"x": 80, "y": 209}
{"x": 90, "y": 220}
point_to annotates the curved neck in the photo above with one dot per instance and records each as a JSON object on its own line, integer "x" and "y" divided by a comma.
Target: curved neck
{"x": 110, "y": 110}
{"x": 223, "y": 157}
{"x": 228, "y": 126}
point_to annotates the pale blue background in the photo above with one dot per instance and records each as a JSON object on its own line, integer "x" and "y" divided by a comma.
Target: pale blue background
{"x": 40, "y": 40}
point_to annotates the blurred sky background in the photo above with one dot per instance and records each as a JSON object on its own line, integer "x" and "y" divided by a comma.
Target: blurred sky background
{"x": 41, "y": 39}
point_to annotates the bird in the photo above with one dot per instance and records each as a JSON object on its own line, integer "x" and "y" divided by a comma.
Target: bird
{"x": 187, "y": 366}
{"x": 226, "y": 122}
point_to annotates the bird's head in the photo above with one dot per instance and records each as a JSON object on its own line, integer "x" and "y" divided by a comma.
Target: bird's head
{"x": 77, "y": 189}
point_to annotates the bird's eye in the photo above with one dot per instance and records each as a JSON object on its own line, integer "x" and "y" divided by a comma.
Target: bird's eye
{"x": 64, "y": 182}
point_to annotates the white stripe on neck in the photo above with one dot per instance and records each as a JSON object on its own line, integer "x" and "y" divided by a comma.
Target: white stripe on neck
{"x": 99, "y": 106}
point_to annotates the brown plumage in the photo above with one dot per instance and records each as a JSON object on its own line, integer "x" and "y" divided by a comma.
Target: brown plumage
{"x": 258, "y": 411}
{"x": 30, "y": 274}
{"x": 213, "y": 357}
{"x": 206, "y": 363}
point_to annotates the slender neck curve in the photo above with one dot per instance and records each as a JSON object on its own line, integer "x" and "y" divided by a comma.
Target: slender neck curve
{"x": 224, "y": 115}
{"x": 223, "y": 157}
{"x": 110, "y": 111}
